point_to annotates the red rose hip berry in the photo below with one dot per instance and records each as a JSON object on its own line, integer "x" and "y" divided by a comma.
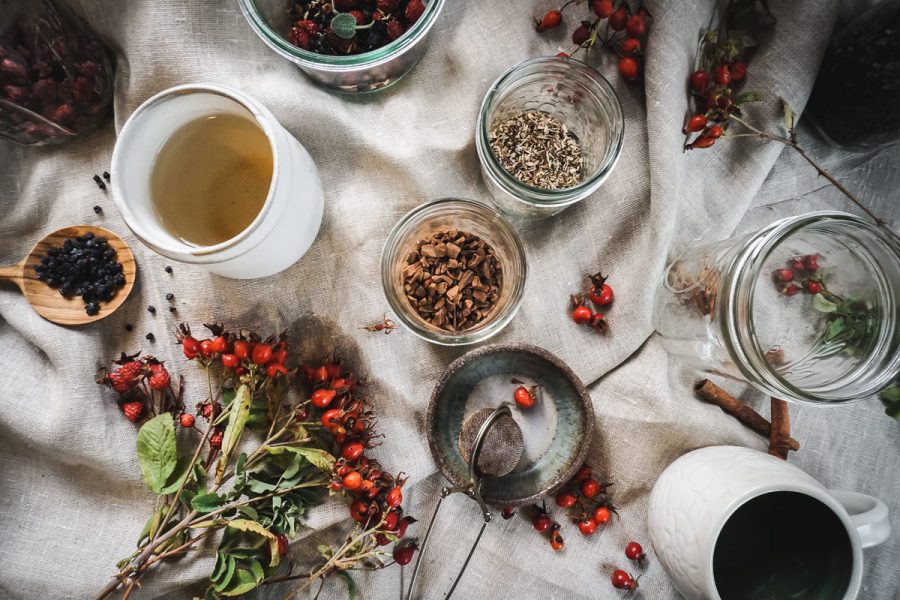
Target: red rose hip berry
{"x": 813, "y": 287}
{"x": 552, "y": 19}
{"x": 587, "y": 526}
{"x": 634, "y": 551}
{"x": 186, "y": 420}
{"x": 722, "y": 75}
{"x": 629, "y": 68}
{"x": 699, "y": 81}
{"x": 566, "y": 499}
{"x": 524, "y": 397}
{"x": 582, "y": 315}
{"x": 134, "y": 411}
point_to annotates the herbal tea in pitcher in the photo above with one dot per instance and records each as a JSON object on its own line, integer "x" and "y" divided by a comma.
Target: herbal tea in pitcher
{"x": 211, "y": 179}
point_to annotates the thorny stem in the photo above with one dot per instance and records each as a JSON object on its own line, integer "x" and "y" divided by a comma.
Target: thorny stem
{"x": 791, "y": 142}
{"x": 333, "y": 563}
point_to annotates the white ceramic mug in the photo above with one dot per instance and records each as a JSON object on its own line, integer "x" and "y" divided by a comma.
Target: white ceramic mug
{"x": 714, "y": 508}
{"x": 285, "y": 227}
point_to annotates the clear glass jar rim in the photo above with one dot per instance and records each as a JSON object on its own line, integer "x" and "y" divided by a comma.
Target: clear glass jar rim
{"x": 745, "y": 269}
{"x": 545, "y": 197}
{"x": 351, "y": 62}
{"x": 469, "y": 336}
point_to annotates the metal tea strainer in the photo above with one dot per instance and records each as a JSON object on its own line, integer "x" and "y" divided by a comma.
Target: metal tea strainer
{"x": 491, "y": 443}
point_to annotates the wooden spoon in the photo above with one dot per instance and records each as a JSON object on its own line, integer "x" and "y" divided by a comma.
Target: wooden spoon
{"x": 47, "y": 301}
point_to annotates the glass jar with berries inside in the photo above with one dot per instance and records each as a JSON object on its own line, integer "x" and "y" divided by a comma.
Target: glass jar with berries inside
{"x": 348, "y": 46}
{"x": 804, "y": 309}
{"x": 56, "y": 75}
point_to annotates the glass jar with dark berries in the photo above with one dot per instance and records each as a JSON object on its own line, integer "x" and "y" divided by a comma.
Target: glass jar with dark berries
{"x": 352, "y": 46}
{"x": 56, "y": 75}
{"x": 806, "y": 309}
{"x": 855, "y": 102}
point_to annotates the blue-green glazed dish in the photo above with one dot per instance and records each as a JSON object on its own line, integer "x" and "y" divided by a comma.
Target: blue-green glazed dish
{"x": 564, "y": 445}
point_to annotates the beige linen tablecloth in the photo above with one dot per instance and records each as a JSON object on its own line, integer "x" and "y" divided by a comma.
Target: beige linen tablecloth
{"x": 71, "y": 497}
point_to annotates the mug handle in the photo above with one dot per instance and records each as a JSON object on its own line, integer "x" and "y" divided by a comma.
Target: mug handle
{"x": 868, "y": 514}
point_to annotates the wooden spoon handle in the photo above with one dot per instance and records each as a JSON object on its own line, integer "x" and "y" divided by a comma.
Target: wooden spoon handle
{"x": 13, "y": 274}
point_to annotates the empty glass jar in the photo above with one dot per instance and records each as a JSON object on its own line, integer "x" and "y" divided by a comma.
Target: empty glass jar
{"x": 804, "y": 309}
{"x": 574, "y": 93}
{"x": 56, "y": 76}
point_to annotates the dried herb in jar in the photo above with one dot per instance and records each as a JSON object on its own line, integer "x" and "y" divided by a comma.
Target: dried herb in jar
{"x": 538, "y": 149}
{"x": 453, "y": 280}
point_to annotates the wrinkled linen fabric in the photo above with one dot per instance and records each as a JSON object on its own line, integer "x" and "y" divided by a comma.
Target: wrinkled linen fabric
{"x": 71, "y": 496}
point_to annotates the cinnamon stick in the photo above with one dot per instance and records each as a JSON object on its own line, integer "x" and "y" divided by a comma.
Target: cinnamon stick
{"x": 712, "y": 393}
{"x": 781, "y": 429}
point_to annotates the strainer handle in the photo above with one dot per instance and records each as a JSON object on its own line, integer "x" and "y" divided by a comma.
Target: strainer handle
{"x": 471, "y": 489}
{"x": 446, "y": 491}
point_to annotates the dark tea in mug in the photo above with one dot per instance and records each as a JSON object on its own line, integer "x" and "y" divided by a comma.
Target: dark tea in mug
{"x": 783, "y": 545}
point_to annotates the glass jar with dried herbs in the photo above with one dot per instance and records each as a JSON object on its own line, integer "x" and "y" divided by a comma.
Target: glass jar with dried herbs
{"x": 804, "y": 309}
{"x": 548, "y": 135}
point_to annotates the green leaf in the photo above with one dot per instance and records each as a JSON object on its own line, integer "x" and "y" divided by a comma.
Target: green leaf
{"x": 219, "y": 568}
{"x": 891, "y": 394}
{"x": 237, "y": 419}
{"x": 823, "y": 304}
{"x": 260, "y": 487}
{"x": 348, "y": 581}
{"x": 748, "y": 97}
{"x": 249, "y": 512}
{"x": 251, "y": 526}
{"x": 258, "y": 573}
{"x": 157, "y": 451}
{"x": 344, "y": 25}
{"x": 225, "y": 579}
{"x": 204, "y": 503}
{"x": 174, "y": 480}
{"x": 317, "y": 457}
{"x": 243, "y": 582}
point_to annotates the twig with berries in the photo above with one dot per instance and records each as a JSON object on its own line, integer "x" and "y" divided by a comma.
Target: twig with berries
{"x": 256, "y": 499}
{"x": 614, "y": 28}
{"x": 723, "y": 54}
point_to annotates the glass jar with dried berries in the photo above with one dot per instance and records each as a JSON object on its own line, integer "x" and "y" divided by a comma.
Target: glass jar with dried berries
{"x": 804, "y": 309}
{"x": 350, "y": 46}
{"x": 56, "y": 75}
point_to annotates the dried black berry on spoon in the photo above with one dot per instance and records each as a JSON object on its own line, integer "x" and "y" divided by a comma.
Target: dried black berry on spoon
{"x": 84, "y": 266}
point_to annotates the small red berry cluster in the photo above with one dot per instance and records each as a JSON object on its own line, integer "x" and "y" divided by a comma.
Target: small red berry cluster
{"x": 799, "y": 269}
{"x": 713, "y": 90}
{"x": 590, "y": 499}
{"x": 624, "y": 33}
{"x": 622, "y": 579}
{"x": 377, "y": 495}
{"x": 144, "y": 386}
{"x": 601, "y": 295}
{"x": 243, "y": 353}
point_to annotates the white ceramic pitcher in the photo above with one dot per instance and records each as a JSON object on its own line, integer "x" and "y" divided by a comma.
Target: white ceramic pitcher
{"x": 695, "y": 515}
{"x": 285, "y": 227}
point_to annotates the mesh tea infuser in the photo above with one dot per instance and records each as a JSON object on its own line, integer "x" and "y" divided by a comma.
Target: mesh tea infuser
{"x": 491, "y": 443}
